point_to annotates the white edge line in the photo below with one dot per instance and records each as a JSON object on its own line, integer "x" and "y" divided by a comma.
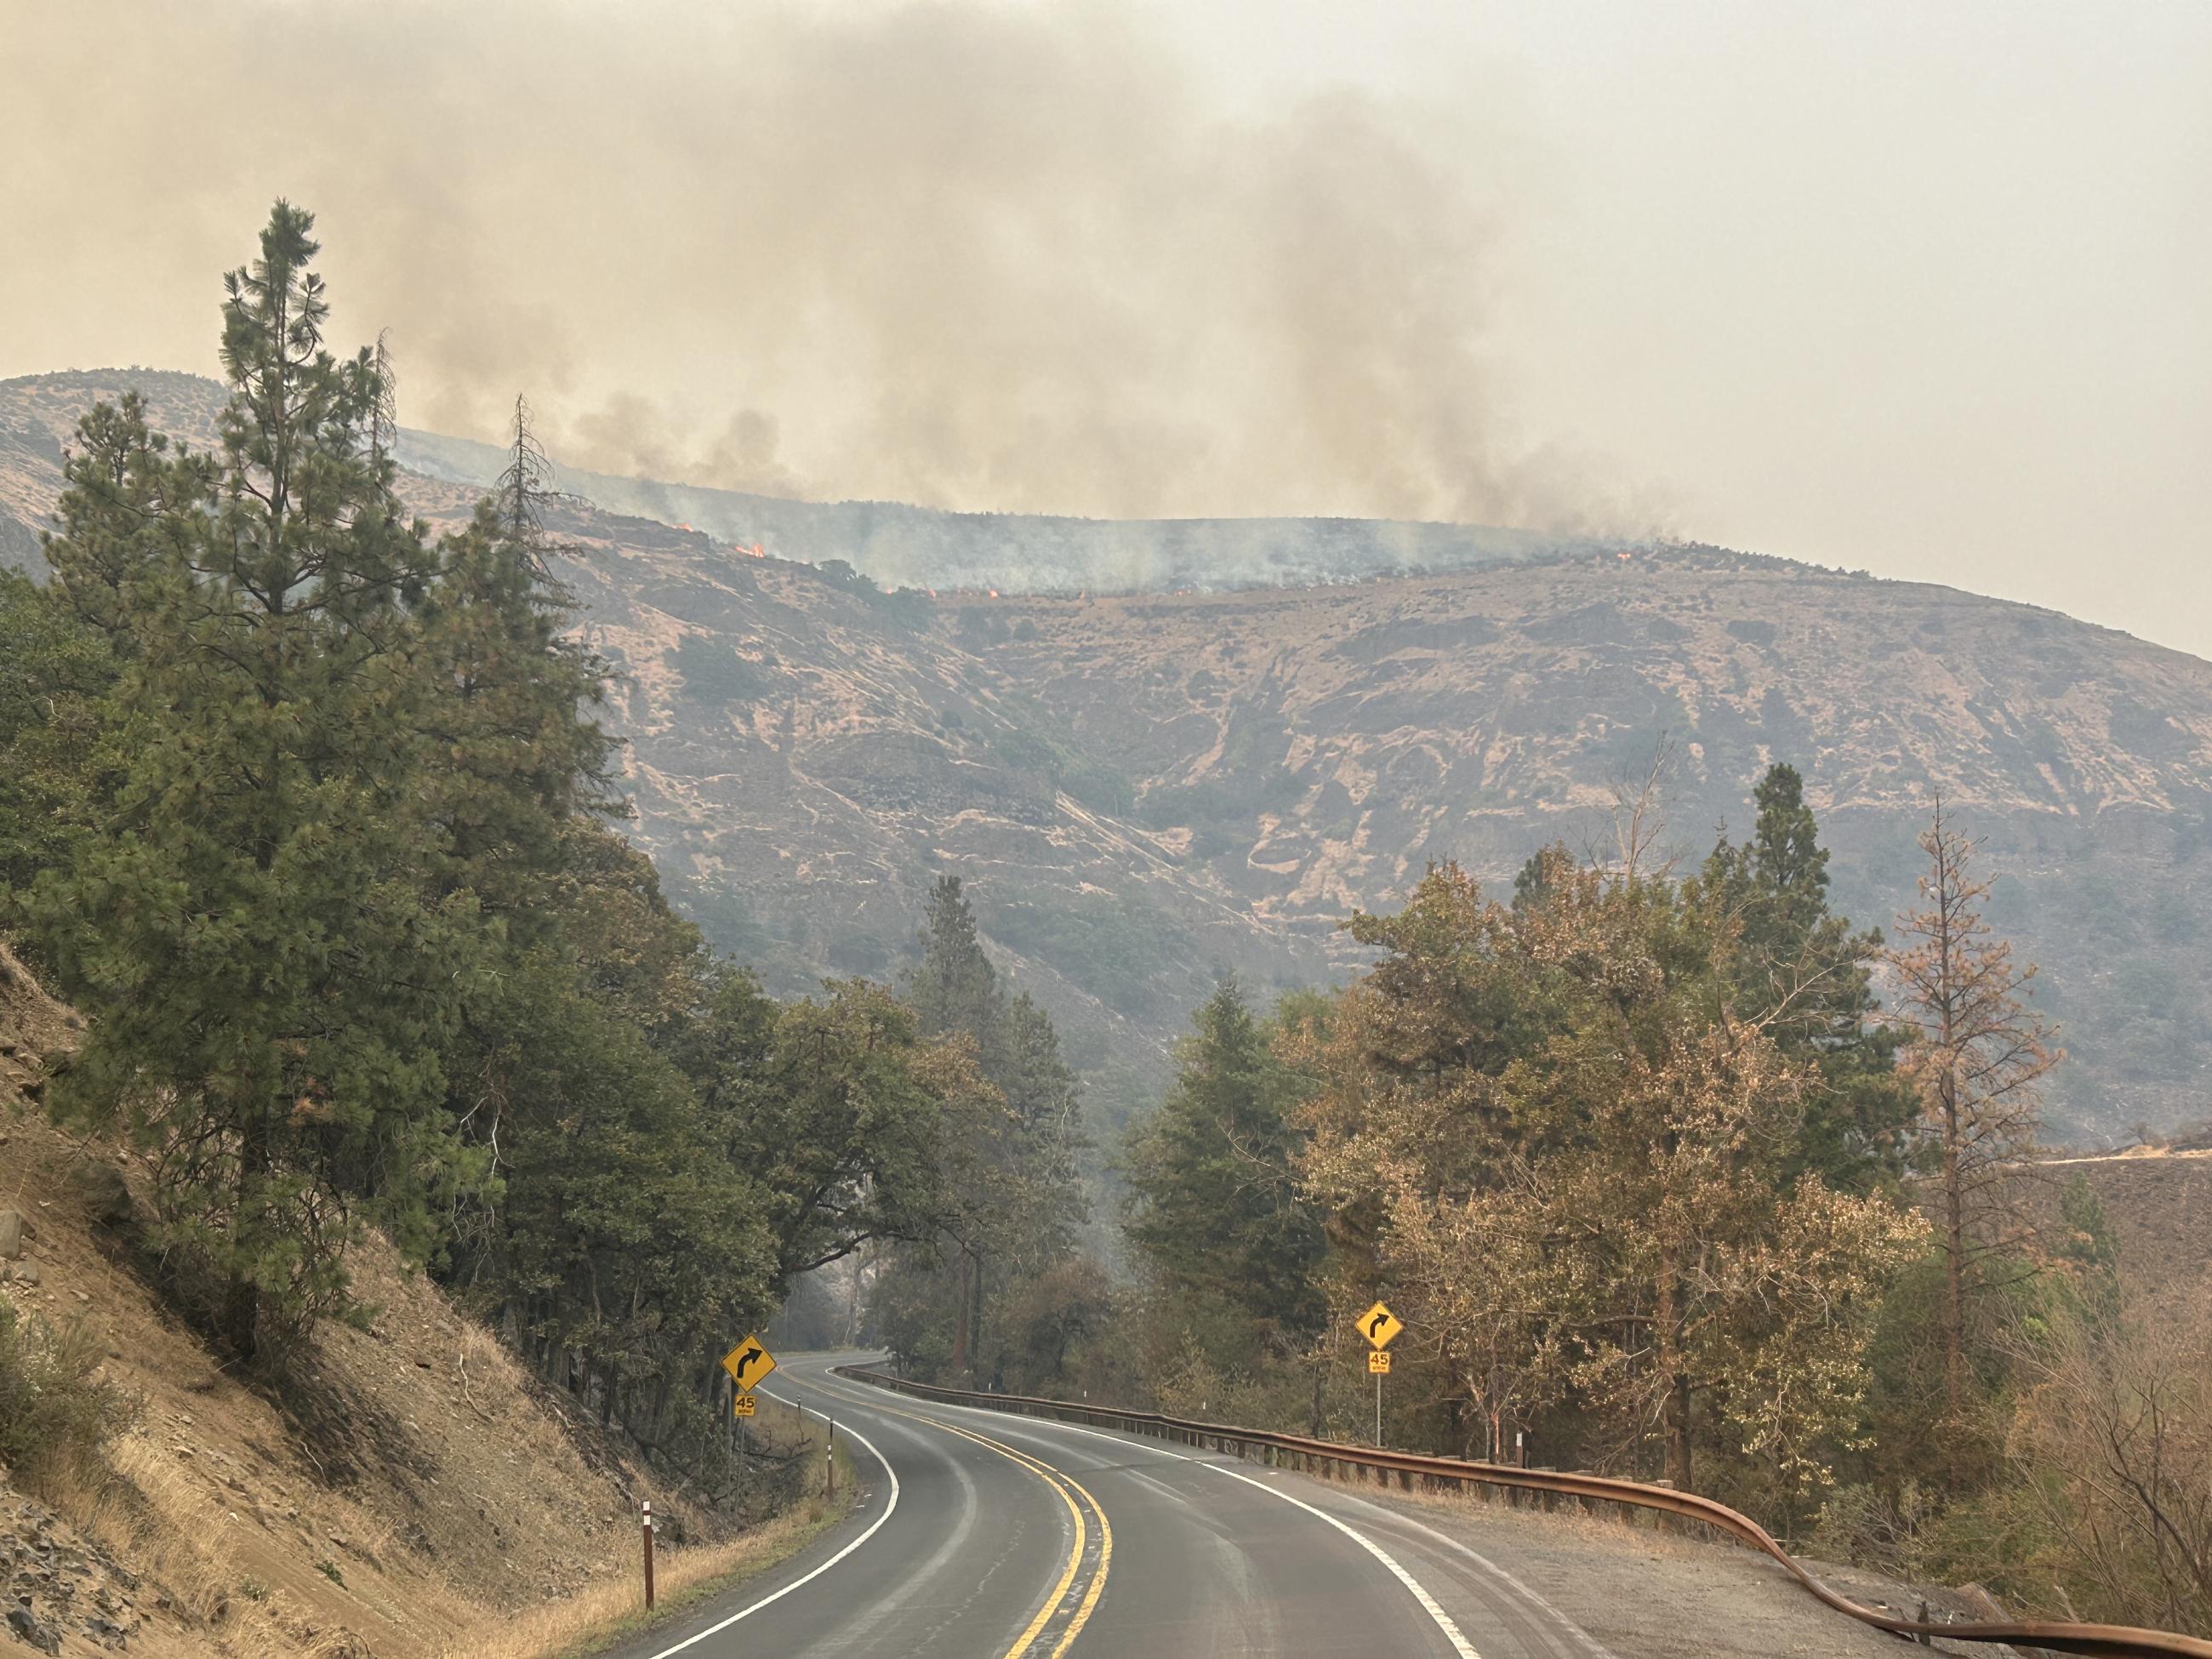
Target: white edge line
{"x": 1461, "y": 1645}
{"x": 777, "y": 1595}
{"x": 1589, "y": 1643}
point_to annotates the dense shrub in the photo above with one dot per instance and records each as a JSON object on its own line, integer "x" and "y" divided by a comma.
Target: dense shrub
{"x": 56, "y": 1411}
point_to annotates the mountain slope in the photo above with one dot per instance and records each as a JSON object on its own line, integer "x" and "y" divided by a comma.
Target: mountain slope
{"x": 1144, "y": 787}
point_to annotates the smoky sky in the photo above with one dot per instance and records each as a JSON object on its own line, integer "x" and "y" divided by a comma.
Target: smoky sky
{"x": 1918, "y": 289}
{"x": 979, "y": 257}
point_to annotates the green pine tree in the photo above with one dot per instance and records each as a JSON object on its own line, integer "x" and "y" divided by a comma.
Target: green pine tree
{"x": 1214, "y": 1207}
{"x": 269, "y": 991}
{"x": 1800, "y": 968}
{"x": 1013, "y": 1201}
{"x": 1046, "y": 1103}
{"x": 54, "y": 670}
{"x": 515, "y": 755}
{"x": 954, "y": 988}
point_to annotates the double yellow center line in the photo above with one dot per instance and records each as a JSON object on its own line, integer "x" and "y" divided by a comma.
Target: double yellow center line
{"x": 1069, "y": 1490}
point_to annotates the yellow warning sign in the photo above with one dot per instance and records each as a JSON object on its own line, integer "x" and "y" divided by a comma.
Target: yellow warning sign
{"x": 748, "y": 1363}
{"x": 746, "y": 1401}
{"x": 1378, "y": 1362}
{"x": 1380, "y": 1327}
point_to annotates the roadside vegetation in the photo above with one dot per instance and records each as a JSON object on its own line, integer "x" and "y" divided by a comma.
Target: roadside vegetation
{"x": 1662, "y": 1190}
{"x": 606, "y": 1615}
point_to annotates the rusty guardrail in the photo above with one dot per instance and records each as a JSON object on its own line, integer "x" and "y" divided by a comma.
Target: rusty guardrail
{"x": 1329, "y": 1457}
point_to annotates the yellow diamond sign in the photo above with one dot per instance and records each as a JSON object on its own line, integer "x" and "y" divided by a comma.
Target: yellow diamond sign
{"x": 1380, "y": 1326}
{"x": 748, "y": 1363}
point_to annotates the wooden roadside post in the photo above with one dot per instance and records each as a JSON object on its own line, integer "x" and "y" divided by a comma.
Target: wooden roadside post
{"x": 648, "y": 1513}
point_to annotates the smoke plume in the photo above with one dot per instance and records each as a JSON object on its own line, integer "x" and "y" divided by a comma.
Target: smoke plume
{"x": 971, "y": 257}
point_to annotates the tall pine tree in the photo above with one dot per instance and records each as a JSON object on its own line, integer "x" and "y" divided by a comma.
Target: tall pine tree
{"x": 269, "y": 989}
{"x": 517, "y": 755}
{"x": 1979, "y": 1055}
{"x": 1013, "y": 1210}
{"x": 1214, "y": 1204}
{"x": 1801, "y": 973}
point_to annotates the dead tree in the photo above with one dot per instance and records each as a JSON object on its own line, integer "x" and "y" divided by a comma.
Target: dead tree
{"x": 1976, "y": 1055}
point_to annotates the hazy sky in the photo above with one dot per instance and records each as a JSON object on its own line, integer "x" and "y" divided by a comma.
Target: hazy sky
{"x": 1921, "y": 287}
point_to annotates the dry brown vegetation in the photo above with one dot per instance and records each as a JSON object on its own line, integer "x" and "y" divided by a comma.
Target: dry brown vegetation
{"x": 681, "y": 1577}
{"x": 2113, "y": 1438}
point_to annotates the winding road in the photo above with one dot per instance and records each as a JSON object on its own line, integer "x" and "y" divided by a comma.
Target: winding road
{"x": 987, "y": 1536}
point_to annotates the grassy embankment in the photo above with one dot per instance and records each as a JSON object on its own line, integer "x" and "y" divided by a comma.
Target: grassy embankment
{"x": 606, "y": 1615}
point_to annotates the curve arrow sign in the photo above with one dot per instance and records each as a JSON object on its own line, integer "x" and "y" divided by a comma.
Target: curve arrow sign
{"x": 748, "y": 1363}
{"x": 1380, "y": 1326}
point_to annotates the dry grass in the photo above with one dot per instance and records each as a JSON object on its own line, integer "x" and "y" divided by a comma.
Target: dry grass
{"x": 596, "y": 1618}
{"x": 1602, "y": 1523}
{"x": 236, "y": 1596}
{"x": 593, "y": 1619}
{"x": 204, "y": 1558}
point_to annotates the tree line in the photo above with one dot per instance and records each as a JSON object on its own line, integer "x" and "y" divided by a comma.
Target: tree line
{"x": 1662, "y": 1190}
{"x": 310, "y": 812}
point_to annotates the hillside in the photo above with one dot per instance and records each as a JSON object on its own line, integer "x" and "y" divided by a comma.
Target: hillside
{"x": 404, "y": 1489}
{"x": 2159, "y": 1202}
{"x": 1144, "y": 787}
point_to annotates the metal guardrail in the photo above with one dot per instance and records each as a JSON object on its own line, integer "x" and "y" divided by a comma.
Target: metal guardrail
{"x": 1330, "y": 1457}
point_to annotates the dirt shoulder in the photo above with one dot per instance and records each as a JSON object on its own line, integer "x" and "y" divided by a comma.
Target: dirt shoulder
{"x": 1658, "y": 1595}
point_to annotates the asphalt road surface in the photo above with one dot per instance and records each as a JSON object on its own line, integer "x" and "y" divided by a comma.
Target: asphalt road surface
{"x": 984, "y": 1535}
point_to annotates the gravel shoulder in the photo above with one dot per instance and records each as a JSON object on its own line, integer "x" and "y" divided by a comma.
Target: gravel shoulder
{"x": 1648, "y": 1594}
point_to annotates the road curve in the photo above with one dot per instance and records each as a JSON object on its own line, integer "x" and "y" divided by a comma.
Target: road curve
{"x": 987, "y": 1536}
